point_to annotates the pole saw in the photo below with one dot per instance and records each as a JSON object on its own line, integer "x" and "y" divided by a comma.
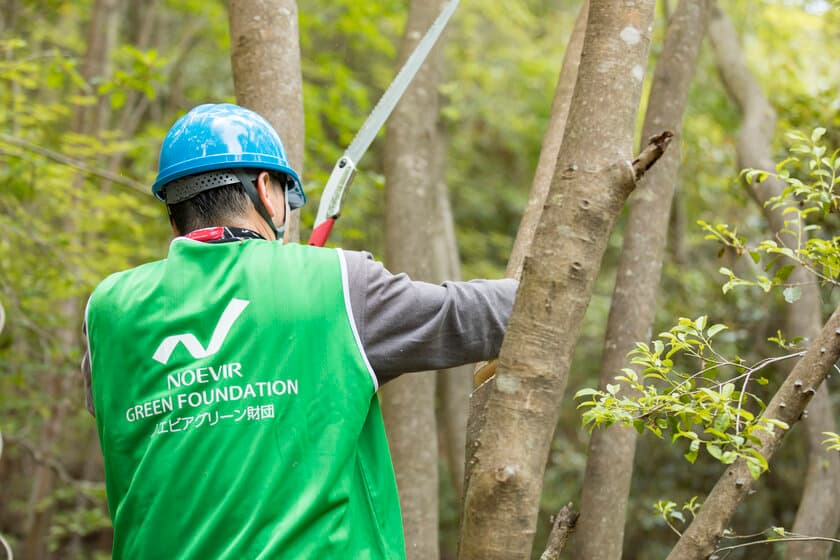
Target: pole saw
{"x": 345, "y": 168}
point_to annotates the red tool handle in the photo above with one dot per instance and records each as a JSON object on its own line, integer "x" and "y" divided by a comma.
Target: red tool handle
{"x": 321, "y": 233}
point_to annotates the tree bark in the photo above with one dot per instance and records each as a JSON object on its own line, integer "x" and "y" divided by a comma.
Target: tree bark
{"x": 265, "y": 56}
{"x": 609, "y": 466}
{"x": 412, "y": 217}
{"x": 787, "y": 405}
{"x": 819, "y": 509}
{"x": 592, "y": 180}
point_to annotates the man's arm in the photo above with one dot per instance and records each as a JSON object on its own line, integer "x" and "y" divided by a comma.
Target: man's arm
{"x": 86, "y": 375}
{"x": 414, "y": 326}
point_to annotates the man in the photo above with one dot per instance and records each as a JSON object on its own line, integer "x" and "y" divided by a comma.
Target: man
{"x": 234, "y": 383}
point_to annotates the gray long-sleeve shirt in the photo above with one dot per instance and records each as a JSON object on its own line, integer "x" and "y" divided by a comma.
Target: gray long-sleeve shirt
{"x": 408, "y": 326}
{"x": 413, "y": 326}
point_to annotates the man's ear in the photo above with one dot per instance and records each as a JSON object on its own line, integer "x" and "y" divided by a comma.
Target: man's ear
{"x": 267, "y": 193}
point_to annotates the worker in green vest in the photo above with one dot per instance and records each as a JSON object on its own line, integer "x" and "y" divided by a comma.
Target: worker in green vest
{"x": 234, "y": 382}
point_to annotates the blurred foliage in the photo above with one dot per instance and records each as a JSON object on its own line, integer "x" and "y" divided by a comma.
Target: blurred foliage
{"x": 63, "y": 228}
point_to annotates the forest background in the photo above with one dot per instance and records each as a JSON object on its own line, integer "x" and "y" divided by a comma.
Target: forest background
{"x": 88, "y": 89}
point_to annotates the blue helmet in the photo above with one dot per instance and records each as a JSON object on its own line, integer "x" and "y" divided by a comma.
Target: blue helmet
{"x": 221, "y": 137}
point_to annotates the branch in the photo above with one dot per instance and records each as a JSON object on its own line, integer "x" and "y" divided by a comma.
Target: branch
{"x": 71, "y": 162}
{"x": 564, "y": 525}
{"x": 778, "y": 540}
{"x": 787, "y": 405}
{"x": 50, "y": 462}
{"x": 651, "y": 153}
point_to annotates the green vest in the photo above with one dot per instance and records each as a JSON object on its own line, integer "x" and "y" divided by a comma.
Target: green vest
{"x": 236, "y": 409}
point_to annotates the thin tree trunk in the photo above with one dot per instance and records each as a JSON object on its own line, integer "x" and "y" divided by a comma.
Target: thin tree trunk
{"x": 819, "y": 509}
{"x": 145, "y": 12}
{"x": 818, "y": 514}
{"x": 677, "y": 226}
{"x": 552, "y": 139}
{"x": 102, "y": 36}
{"x": 412, "y": 217}
{"x": 787, "y": 405}
{"x": 592, "y": 180}
{"x": 454, "y": 384}
{"x": 609, "y": 465}
{"x": 265, "y": 55}
{"x": 102, "y": 32}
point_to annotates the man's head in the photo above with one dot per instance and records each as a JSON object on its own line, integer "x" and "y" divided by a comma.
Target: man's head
{"x": 225, "y": 165}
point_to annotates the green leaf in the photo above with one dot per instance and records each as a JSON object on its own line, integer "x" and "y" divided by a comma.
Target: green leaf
{"x": 778, "y": 423}
{"x": 754, "y": 467}
{"x": 639, "y": 425}
{"x": 612, "y": 389}
{"x": 784, "y": 272}
{"x": 792, "y": 294}
{"x": 586, "y": 393}
{"x": 691, "y": 456}
{"x": 714, "y": 451}
{"x": 118, "y": 98}
{"x": 728, "y": 457}
{"x": 817, "y": 134}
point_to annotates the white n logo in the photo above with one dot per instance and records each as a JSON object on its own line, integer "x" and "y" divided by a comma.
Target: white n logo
{"x": 191, "y": 343}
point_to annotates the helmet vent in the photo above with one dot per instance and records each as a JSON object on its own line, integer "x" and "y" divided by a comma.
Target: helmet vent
{"x": 187, "y": 187}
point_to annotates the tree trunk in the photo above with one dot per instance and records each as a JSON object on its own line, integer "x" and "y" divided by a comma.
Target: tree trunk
{"x": 96, "y": 67}
{"x": 454, "y": 384}
{"x": 265, "y": 55}
{"x": 819, "y": 510}
{"x": 787, "y": 405}
{"x": 412, "y": 217}
{"x": 102, "y": 36}
{"x": 552, "y": 139}
{"x": 609, "y": 466}
{"x": 591, "y": 182}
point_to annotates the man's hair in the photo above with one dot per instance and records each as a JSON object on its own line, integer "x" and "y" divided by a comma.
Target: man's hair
{"x": 214, "y": 207}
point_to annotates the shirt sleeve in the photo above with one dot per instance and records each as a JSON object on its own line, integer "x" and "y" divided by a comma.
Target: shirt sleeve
{"x": 406, "y": 326}
{"x": 86, "y": 374}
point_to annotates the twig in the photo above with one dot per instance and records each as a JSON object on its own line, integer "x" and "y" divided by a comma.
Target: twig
{"x": 564, "y": 525}
{"x": 772, "y": 541}
{"x": 71, "y": 162}
{"x": 651, "y": 153}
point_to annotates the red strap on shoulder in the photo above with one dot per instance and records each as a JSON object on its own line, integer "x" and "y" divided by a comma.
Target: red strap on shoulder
{"x": 206, "y": 234}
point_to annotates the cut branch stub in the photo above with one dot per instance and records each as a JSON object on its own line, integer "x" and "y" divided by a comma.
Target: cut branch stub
{"x": 562, "y": 528}
{"x": 652, "y": 152}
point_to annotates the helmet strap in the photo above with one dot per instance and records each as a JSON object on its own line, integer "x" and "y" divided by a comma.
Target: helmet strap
{"x": 281, "y": 231}
{"x": 248, "y": 184}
